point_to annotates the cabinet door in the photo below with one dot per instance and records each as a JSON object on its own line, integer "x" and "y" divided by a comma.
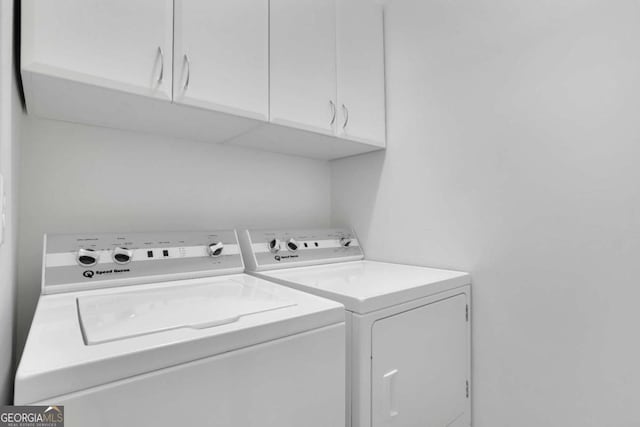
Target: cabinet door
{"x": 420, "y": 366}
{"x": 303, "y": 57}
{"x": 119, "y": 44}
{"x": 222, "y": 55}
{"x": 360, "y": 62}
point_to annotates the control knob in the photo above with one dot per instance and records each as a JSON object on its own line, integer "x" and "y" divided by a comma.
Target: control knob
{"x": 274, "y": 245}
{"x": 122, "y": 255}
{"x": 292, "y": 245}
{"x": 87, "y": 257}
{"x": 345, "y": 242}
{"x": 215, "y": 249}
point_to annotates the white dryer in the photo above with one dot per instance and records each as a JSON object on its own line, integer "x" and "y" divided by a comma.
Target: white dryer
{"x": 408, "y": 328}
{"x": 163, "y": 329}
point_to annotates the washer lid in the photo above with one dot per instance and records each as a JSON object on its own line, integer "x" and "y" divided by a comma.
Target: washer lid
{"x": 173, "y": 323}
{"x": 113, "y": 317}
{"x": 365, "y": 286}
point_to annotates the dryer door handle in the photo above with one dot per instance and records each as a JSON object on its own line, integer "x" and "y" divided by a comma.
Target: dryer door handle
{"x": 389, "y": 380}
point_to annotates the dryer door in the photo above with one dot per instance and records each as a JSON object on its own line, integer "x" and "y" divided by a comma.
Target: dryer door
{"x": 420, "y": 366}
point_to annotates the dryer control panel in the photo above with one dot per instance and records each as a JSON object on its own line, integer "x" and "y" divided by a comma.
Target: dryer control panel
{"x": 87, "y": 261}
{"x": 273, "y": 249}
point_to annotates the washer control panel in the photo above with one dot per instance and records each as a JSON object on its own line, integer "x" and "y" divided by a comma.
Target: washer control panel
{"x": 271, "y": 249}
{"x": 85, "y": 261}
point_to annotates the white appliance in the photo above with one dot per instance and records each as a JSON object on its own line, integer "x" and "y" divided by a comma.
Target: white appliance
{"x": 163, "y": 329}
{"x": 408, "y": 329}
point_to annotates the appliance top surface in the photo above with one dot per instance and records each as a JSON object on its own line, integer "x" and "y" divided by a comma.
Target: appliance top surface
{"x": 365, "y": 286}
{"x": 85, "y": 338}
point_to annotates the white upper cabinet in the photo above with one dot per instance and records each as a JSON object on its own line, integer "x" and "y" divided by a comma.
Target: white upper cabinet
{"x": 302, "y": 77}
{"x": 118, "y": 44}
{"x": 360, "y": 71}
{"x": 327, "y": 68}
{"x": 303, "y": 64}
{"x": 221, "y": 56}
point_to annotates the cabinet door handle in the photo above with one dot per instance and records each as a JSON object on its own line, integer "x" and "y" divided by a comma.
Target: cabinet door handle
{"x": 390, "y": 391}
{"x": 333, "y": 112}
{"x": 187, "y": 64}
{"x": 161, "y": 55}
{"x": 345, "y": 110}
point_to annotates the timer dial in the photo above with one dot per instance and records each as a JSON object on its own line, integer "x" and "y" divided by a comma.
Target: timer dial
{"x": 274, "y": 245}
{"x": 215, "y": 249}
{"x": 122, "y": 255}
{"x": 87, "y": 257}
{"x": 292, "y": 245}
{"x": 345, "y": 242}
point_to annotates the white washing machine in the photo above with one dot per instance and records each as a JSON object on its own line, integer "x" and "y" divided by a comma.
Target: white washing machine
{"x": 163, "y": 329}
{"x": 408, "y": 328}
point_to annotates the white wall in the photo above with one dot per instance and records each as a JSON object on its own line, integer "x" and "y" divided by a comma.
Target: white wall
{"x": 77, "y": 178}
{"x": 10, "y": 112}
{"x": 514, "y": 153}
